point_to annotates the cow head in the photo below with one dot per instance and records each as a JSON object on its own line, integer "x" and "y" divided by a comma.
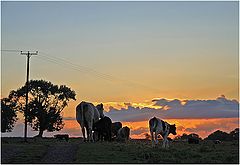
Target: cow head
{"x": 100, "y": 110}
{"x": 173, "y": 129}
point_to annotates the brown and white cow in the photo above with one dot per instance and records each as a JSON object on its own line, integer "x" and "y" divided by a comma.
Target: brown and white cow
{"x": 161, "y": 127}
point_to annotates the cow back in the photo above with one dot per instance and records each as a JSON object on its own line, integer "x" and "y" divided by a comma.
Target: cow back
{"x": 115, "y": 127}
{"x": 86, "y": 112}
{"x": 103, "y": 124}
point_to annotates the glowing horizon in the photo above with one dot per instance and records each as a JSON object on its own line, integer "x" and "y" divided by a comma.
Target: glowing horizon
{"x": 138, "y": 129}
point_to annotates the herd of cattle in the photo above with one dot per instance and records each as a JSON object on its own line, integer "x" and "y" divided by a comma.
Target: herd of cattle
{"x": 100, "y": 127}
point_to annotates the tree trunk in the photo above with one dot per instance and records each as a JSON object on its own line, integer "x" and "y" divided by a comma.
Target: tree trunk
{"x": 40, "y": 133}
{"x": 41, "y": 120}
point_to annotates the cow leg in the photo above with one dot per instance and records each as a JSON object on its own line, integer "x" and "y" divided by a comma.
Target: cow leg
{"x": 90, "y": 131}
{"x": 83, "y": 132}
{"x": 90, "y": 135}
{"x": 101, "y": 136}
{"x": 87, "y": 133}
{"x": 109, "y": 137}
{"x": 96, "y": 136}
{"x": 152, "y": 137}
{"x": 163, "y": 145}
{"x": 156, "y": 140}
{"x": 165, "y": 141}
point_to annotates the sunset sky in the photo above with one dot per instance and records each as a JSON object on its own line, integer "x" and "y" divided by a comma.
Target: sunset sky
{"x": 174, "y": 60}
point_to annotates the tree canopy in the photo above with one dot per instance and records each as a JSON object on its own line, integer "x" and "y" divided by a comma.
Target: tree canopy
{"x": 8, "y": 115}
{"x": 219, "y": 135}
{"x": 235, "y": 134}
{"x": 45, "y": 104}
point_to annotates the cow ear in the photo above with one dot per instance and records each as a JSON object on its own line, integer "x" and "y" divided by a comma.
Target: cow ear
{"x": 174, "y": 125}
{"x": 101, "y": 105}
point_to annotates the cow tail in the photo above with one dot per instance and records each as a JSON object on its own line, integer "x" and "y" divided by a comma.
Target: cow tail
{"x": 153, "y": 123}
{"x": 82, "y": 113}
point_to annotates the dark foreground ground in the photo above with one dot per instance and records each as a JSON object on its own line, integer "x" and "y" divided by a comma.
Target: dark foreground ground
{"x": 49, "y": 150}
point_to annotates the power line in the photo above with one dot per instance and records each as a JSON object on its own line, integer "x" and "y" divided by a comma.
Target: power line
{"x": 10, "y": 50}
{"x": 74, "y": 67}
{"x": 81, "y": 68}
{"x": 84, "y": 69}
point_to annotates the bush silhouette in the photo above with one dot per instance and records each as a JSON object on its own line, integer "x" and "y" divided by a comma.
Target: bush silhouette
{"x": 8, "y": 115}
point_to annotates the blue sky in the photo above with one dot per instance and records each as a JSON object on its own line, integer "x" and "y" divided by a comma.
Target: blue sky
{"x": 164, "y": 42}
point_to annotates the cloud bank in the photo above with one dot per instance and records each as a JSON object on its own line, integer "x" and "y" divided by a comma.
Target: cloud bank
{"x": 198, "y": 116}
{"x": 221, "y": 107}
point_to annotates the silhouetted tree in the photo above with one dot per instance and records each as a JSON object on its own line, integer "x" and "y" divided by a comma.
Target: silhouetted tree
{"x": 183, "y": 137}
{"x": 177, "y": 138}
{"x": 8, "y": 115}
{"x": 45, "y": 104}
{"x": 234, "y": 134}
{"x": 186, "y": 136}
{"x": 194, "y": 135}
{"x": 219, "y": 135}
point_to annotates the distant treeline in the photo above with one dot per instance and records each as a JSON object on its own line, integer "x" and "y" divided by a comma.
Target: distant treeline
{"x": 217, "y": 135}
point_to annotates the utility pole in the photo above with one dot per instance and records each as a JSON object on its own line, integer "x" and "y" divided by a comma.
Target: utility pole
{"x": 27, "y": 86}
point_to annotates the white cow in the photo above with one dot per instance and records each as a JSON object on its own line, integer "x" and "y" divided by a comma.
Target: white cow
{"x": 161, "y": 127}
{"x": 86, "y": 115}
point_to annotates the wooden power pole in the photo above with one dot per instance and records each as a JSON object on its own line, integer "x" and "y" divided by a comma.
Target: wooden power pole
{"x": 27, "y": 86}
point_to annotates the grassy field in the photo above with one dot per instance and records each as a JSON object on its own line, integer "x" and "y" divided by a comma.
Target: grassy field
{"x": 49, "y": 150}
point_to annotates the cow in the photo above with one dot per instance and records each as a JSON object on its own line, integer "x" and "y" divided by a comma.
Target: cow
{"x": 115, "y": 127}
{"x": 217, "y": 141}
{"x": 161, "y": 127}
{"x": 86, "y": 115}
{"x": 62, "y": 136}
{"x": 123, "y": 134}
{"x": 103, "y": 128}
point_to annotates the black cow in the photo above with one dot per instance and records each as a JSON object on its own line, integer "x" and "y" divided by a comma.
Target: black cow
{"x": 123, "y": 134}
{"x": 217, "y": 142}
{"x": 103, "y": 128}
{"x": 62, "y": 136}
{"x": 115, "y": 127}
